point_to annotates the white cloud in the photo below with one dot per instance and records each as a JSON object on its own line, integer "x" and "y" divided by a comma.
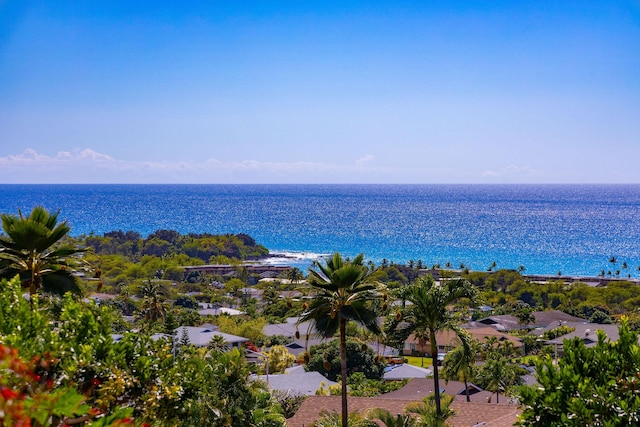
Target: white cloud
{"x": 366, "y": 159}
{"x": 32, "y": 157}
{"x": 510, "y": 171}
{"x": 90, "y": 166}
{"x": 93, "y": 155}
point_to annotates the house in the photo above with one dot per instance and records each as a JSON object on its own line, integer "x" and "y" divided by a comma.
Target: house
{"x": 202, "y": 336}
{"x": 448, "y": 340}
{"x": 214, "y": 310}
{"x": 405, "y": 371}
{"x": 507, "y": 322}
{"x": 297, "y": 381}
{"x": 288, "y": 329}
{"x": 466, "y": 414}
{"x": 419, "y": 388}
{"x": 587, "y": 332}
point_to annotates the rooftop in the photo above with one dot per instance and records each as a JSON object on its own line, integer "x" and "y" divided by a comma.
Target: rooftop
{"x": 466, "y": 414}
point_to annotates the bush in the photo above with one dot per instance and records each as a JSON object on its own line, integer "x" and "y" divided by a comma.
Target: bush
{"x": 325, "y": 358}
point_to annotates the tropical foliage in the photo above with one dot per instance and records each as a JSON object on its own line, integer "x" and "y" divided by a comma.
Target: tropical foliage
{"x": 32, "y": 248}
{"x": 333, "y": 419}
{"x": 429, "y": 414}
{"x": 343, "y": 291}
{"x": 278, "y": 359}
{"x": 595, "y": 386}
{"x": 80, "y": 360}
{"x": 162, "y": 243}
{"x": 325, "y": 358}
{"x": 460, "y": 364}
{"x": 429, "y": 313}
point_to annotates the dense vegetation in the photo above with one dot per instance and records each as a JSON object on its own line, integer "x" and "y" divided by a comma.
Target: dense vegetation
{"x": 595, "y": 386}
{"x": 63, "y": 364}
{"x": 77, "y": 371}
{"x": 206, "y": 247}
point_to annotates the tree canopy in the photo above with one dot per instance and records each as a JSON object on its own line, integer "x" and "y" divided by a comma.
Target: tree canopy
{"x": 595, "y": 386}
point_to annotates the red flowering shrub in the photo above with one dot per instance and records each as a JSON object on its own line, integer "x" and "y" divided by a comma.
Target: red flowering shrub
{"x": 28, "y": 397}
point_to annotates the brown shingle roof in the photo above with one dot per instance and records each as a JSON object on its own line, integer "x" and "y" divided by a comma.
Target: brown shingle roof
{"x": 466, "y": 414}
{"x": 419, "y": 388}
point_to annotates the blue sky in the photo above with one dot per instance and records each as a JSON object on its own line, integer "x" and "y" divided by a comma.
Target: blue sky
{"x": 320, "y": 92}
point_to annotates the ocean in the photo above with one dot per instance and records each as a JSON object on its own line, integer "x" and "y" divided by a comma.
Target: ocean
{"x": 571, "y": 229}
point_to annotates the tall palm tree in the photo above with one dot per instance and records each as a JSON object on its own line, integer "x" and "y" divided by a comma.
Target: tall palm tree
{"x": 429, "y": 313}
{"x": 344, "y": 291}
{"x": 31, "y": 248}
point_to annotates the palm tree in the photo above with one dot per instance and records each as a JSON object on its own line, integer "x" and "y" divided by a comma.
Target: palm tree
{"x": 497, "y": 374}
{"x": 152, "y": 306}
{"x": 525, "y": 316}
{"x": 295, "y": 275}
{"x": 429, "y": 314}
{"x": 32, "y": 249}
{"x": 388, "y": 420}
{"x": 344, "y": 291}
{"x": 426, "y": 416}
{"x": 332, "y": 419}
{"x": 460, "y": 362}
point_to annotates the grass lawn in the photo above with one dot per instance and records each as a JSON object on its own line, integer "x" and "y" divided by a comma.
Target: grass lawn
{"x": 417, "y": 361}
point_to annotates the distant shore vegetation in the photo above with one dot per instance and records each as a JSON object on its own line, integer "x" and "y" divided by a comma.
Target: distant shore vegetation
{"x": 208, "y": 248}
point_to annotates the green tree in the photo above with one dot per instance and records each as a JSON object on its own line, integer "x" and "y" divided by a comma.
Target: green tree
{"x": 497, "y": 374}
{"x": 388, "y": 420}
{"x": 429, "y": 313}
{"x": 525, "y": 316}
{"x": 595, "y": 386}
{"x": 153, "y": 307}
{"x": 333, "y": 419}
{"x": 32, "y": 249}
{"x": 460, "y": 364}
{"x": 325, "y": 358}
{"x": 295, "y": 275}
{"x": 279, "y": 359}
{"x": 344, "y": 291}
{"x": 428, "y": 414}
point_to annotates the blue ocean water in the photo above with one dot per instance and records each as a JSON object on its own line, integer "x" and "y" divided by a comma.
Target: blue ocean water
{"x": 573, "y": 229}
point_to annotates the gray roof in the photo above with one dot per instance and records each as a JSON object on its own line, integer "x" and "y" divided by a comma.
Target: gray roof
{"x": 160, "y": 336}
{"x": 506, "y": 322}
{"x": 201, "y": 337}
{"x": 216, "y": 311}
{"x": 289, "y": 329}
{"x": 305, "y": 383}
{"x": 419, "y": 388}
{"x": 587, "y": 332}
{"x": 406, "y": 371}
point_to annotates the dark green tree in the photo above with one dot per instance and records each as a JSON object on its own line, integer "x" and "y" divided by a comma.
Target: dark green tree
{"x": 389, "y": 420}
{"x": 325, "y": 358}
{"x": 596, "y": 386}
